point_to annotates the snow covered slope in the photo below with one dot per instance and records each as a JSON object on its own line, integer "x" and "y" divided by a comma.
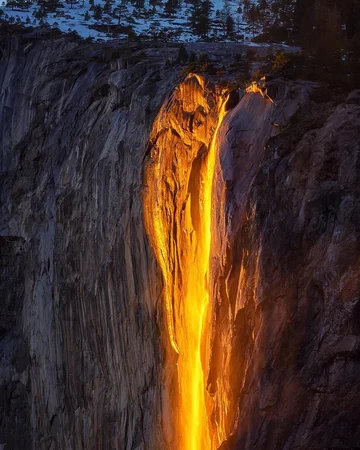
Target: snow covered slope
{"x": 150, "y": 21}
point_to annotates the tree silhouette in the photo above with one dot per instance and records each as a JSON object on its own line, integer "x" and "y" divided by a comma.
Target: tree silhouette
{"x": 120, "y": 11}
{"x": 200, "y": 17}
{"x": 253, "y": 16}
{"x": 230, "y": 26}
{"x": 97, "y": 12}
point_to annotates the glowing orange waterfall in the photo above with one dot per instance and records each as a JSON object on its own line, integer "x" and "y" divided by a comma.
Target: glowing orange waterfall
{"x": 177, "y": 213}
{"x": 191, "y": 375}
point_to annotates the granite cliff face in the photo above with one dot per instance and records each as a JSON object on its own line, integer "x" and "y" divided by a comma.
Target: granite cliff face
{"x": 105, "y": 186}
{"x": 81, "y": 356}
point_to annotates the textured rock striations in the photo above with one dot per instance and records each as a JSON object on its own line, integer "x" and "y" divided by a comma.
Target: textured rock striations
{"x": 295, "y": 278}
{"x": 81, "y": 346}
{"x": 92, "y": 138}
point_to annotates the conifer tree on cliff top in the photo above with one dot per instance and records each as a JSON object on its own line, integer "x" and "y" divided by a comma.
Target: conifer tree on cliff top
{"x": 200, "y": 17}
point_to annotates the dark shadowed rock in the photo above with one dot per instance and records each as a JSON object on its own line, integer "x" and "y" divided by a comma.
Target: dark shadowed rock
{"x": 233, "y": 100}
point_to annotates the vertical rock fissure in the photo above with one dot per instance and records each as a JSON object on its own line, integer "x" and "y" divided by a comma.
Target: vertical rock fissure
{"x": 188, "y": 291}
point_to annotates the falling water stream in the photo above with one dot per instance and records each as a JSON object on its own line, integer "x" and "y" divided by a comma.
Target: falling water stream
{"x": 187, "y": 325}
{"x": 196, "y": 303}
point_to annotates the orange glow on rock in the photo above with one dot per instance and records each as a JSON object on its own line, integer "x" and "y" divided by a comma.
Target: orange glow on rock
{"x": 177, "y": 214}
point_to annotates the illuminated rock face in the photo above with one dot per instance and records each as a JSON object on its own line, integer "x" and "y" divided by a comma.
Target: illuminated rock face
{"x": 177, "y": 274}
{"x": 177, "y": 212}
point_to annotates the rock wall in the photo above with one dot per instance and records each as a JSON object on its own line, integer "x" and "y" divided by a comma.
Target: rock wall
{"x": 81, "y": 346}
{"x": 86, "y": 360}
{"x": 296, "y": 285}
{"x": 241, "y": 150}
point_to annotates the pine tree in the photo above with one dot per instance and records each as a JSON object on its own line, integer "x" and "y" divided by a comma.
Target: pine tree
{"x": 264, "y": 12}
{"x": 283, "y": 11}
{"x": 97, "y": 13}
{"x": 107, "y": 7}
{"x": 120, "y": 11}
{"x": 49, "y": 5}
{"x": 182, "y": 55}
{"x": 247, "y": 5}
{"x": 171, "y": 6}
{"x": 238, "y": 19}
{"x": 230, "y": 26}
{"x": 140, "y": 4}
{"x": 253, "y": 17}
{"x": 200, "y": 18}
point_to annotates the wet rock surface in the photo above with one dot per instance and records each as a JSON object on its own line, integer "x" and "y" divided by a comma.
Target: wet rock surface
{"x": 82, "y": 325}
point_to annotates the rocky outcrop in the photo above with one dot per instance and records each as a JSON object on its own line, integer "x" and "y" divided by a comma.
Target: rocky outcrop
{"x": 93, "y": 139}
